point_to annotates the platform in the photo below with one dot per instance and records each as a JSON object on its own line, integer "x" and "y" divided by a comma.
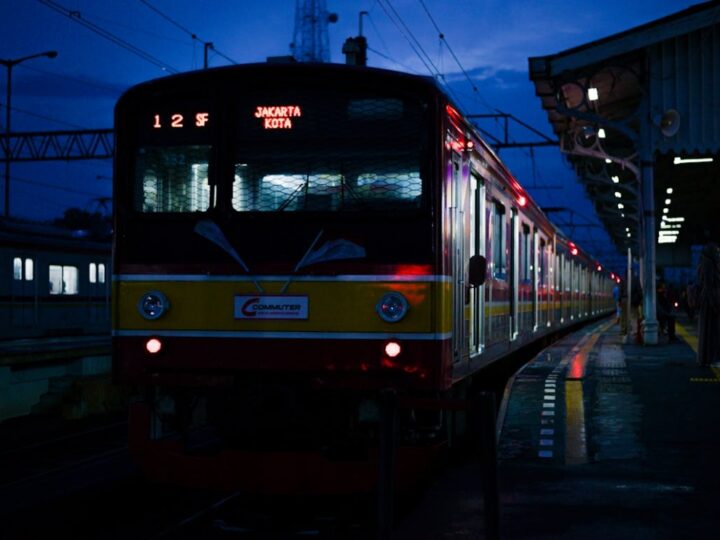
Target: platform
{"x": 600, "y": 440}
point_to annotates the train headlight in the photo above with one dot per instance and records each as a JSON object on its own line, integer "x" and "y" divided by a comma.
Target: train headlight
{"x": 153, "y": 305}
{"x": 392, "y": 307}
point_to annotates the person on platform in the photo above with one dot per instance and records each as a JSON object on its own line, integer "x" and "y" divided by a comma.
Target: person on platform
{"x": 665, "y": 313}
{"x": 706, "y": 297}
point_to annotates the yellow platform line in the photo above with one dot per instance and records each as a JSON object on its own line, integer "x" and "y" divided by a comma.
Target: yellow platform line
{"x": 575, "y": 434}
{"x": 687, "y": 336}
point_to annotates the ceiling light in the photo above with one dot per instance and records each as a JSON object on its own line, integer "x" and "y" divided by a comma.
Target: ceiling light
{"x": 682, "y": 161}
{"x": 665, "y": 210}
{"x": 601, "y": 133}
{"x": 618, "y": 195}
{"x": 669, "y": 191}
{"x": 667, "y": 201}
{"x": 674, "y": 219}
{"x": 616, "y": 179}
{"x": 593, "y": 94}
{"x": 608, "y": 160}
{"x": 621, "y": 206}
{"x": 628, "y": 235}
{"x": 667, "y": 240}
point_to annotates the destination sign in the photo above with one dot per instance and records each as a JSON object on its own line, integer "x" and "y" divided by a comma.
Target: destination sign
{"x": 277, "y": 116}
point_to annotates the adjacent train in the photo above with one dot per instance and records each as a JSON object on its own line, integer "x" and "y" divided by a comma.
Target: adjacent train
{"x": 293, "y": 238}
{"x": 53, "y": 284}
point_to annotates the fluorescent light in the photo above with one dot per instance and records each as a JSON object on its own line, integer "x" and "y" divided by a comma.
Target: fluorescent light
{"x": 674, "y": 219}
{"x": 681, "y": 161}
{"x": 667, "y": 240}
{"x": 621, "y": 206}
{"x": 615, "y": 179}
{"x": 601, "y": 133}
{"x": 593, "y": 94}
{"x": 669, "y": 233}
{"x": 667, "y": 201}
{"x": 669, "y": 191}
{"x": 665, "y": 225}
{"x": 618, "y": 195}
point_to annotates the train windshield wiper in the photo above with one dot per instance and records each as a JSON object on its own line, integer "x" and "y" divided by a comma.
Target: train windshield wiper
{"x": 210, "y": 230}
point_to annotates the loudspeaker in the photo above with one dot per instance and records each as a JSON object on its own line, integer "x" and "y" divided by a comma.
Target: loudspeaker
{"x": 669, "y": 122}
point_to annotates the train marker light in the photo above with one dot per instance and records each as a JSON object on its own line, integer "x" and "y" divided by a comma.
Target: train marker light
{"x": 392, "y": 307}
{"x": 153, "y": 346}
{"x": 522, "y": 200}
{"x": 393, "y": 349}
{"x": 153, "y": 305}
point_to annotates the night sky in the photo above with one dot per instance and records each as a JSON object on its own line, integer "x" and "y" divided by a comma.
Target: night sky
{"x": 491, "y": 38}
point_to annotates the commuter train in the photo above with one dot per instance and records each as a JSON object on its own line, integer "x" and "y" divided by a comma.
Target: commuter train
{"x": 293, "y": 238}
{"x": 53, "y": 284}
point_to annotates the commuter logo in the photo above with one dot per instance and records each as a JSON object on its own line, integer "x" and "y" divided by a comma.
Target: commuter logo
{"x": 263, "y": 307}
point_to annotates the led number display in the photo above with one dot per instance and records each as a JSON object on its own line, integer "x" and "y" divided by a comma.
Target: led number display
{"x": 177, "y": 120}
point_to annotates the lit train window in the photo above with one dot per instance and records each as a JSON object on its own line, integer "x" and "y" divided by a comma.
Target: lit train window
{"x": 29, "y": 270}
{"x": 17, "y": 268}
{"x": 498, "y": 241}
{"x": 92, "y": 273}
{"x": 63, "y": 279}
{"x": 172, "y": 179}
{"x": 101, "y": 273}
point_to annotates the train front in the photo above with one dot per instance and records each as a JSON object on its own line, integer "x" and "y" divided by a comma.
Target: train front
{"x": 275, "y": 267}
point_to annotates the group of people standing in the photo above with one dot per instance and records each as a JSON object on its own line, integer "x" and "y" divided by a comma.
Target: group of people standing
{"x": 701, "y": 299}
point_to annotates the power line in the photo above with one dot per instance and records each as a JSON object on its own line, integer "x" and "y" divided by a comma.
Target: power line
{"x": 52, "y": 186}
{"x": 189, "y": 32}
{"x": 48, "y": 118}
{"x": 392, "y": 60}
{"x": 441, "y": 35}
{"x": 78, "y": 18}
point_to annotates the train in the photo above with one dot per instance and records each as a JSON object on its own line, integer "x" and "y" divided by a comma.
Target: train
{"x": 56, "y": 282}
{"x": 291, "y": 240}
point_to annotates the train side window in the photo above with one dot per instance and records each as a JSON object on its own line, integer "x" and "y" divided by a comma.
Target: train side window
{"x": 63, "y": 279}
{"x": 17, "y": 268}
{"x": 29, "y": 270}
{"x": 101, "y": 273}
{"x": 499, "y": 235}
{"x": 92, "y": 272}
{"x": 526, "y": 255}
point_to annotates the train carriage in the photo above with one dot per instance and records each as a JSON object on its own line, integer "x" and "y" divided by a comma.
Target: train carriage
{"x": 290, "y": 239}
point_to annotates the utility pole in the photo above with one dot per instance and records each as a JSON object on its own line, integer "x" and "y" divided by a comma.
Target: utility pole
{"x": 207, "y": 45}
{"x": 9, "y": 64}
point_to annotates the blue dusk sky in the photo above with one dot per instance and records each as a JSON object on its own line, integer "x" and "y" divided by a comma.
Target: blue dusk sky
{"x": 491, "y": 38}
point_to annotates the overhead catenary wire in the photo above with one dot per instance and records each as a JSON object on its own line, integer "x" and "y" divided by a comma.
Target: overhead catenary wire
{"x": 78, "y": 18}
{"x": 186, "y": 30}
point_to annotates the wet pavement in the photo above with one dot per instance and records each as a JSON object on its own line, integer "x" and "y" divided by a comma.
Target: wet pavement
{"x": 600, "y": 440}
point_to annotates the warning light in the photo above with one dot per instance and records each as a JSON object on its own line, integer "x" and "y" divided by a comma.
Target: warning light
{"x": 393, "y": 349}
{"x": 153, "y": 345}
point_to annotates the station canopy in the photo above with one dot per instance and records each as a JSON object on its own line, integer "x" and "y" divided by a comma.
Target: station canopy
{"x": 659, "y": 85}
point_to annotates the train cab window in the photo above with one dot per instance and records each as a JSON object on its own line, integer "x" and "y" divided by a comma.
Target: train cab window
{"x": 499, "y": 236}
{"x": 328, "y": 185}
{"x": 17, "y": 268}
{"x": 172, "y": 179}
{"x": 63, "y": 279}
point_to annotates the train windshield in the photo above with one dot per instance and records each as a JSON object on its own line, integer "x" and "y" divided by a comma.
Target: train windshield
{"x": 317, "y": 153}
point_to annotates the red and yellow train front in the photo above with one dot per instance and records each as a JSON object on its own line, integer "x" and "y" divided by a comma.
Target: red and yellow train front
{"x": 276, "y": 264}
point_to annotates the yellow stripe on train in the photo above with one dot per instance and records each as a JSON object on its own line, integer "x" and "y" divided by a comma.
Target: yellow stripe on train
{"x": 332, "y": 306}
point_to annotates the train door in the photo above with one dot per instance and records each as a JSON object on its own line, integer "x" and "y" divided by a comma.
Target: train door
{"x": 514, "y": 278}
{"x": 536, "y": 282}
{"x": 458, "y": 201}
{"x": 476, "y": 222}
